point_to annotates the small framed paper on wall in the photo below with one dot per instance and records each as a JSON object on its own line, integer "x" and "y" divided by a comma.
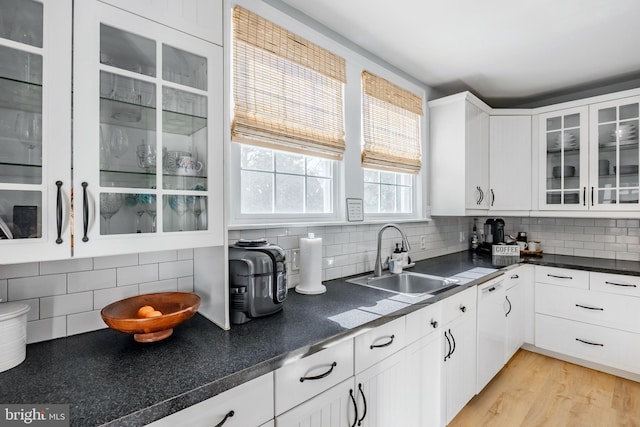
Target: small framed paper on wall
{"x": 354, "y": 210}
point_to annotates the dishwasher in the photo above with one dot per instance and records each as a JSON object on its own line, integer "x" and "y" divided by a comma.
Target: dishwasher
{"x": 492, "y": 326}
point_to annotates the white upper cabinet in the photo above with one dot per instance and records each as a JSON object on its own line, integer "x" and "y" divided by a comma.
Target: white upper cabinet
{"x": 459, "y": 142}
{"x": 614, "y": 155}
{"x": 510, "y": 172}
{"x": 200, "y": 18}
{"x": 147, "y": 128}
{"x": 35, "y": 130}
{"x": 564, "y": 161}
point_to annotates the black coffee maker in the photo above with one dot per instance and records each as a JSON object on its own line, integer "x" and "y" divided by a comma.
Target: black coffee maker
{"x": 493, "y": 231}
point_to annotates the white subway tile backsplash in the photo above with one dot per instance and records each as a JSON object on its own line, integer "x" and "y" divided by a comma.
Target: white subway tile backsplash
{"x": 633, "y": 240}
{"x": 84, "y": 322}
{"x": 170, "y": 270}
{"x": 185, "y": 284}
{"x": 34, "y": 308}
{"x": 289, "y": 242}
{"x": 37, "y": 286}
{"x": 104, "y": 297}
{"x": 61, "y": 305}
{"x": 115, "y": 261}
{"x": 156, "y": 257}
{"x": 184, "y": 254}
{"x": 46, "y": 329}
{"x": 137, "y": 274}
{"x": 11, "y": 271}
{"x": 169, "y": 285}
{"x": 66, "y": 266}
{"x": 91, "y": 280}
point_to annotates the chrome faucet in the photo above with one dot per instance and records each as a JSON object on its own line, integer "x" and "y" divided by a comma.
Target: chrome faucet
{"x": 377, "y": 269}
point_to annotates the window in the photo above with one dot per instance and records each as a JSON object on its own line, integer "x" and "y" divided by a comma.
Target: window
{"x": 278, "y": 182}
{"x": 387, "y": 192}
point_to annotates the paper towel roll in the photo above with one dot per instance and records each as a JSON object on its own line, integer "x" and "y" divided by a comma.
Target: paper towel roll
{"x": 311, "y": 266}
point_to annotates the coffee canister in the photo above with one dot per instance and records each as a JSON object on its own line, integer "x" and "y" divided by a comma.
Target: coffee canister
{"x": 13, "y": 334}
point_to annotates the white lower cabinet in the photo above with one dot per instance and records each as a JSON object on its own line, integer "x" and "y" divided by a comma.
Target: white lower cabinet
{"x": 424, "y": 380}
{"x": 332, "y": 408}
{"x": 607, "y": 346}
{"x": 382, "y": 391}
{"x": 594, "y": 319}
{"x": 492, "y": 330}
{"x": 516, "y": 315}
{"x": 459, "y": 356}
{"x": 229, "y": 408}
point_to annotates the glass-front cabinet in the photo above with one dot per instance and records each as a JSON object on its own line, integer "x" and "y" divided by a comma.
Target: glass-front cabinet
{"x": 147, "y": 135}
{"x": 564, "y": 159}
{"x": 35, "y": 130}
{"x": 614, "y": 154}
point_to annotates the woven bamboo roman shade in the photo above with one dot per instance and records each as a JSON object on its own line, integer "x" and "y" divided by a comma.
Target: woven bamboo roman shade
{"x": 391, "y": 122}
{"x": 288, "y": 92}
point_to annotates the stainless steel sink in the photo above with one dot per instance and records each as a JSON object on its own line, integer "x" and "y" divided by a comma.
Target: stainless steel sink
{"x": 407, "y": 283}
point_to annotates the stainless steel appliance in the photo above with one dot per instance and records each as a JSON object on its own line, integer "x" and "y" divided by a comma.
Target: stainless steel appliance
{"x": 257, "y": 279}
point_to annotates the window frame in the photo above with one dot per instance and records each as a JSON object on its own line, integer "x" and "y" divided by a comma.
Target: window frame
{"x": 348, "y": 174}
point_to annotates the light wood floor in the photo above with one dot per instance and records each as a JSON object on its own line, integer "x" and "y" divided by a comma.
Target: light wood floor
{"x": 535, "y": 390}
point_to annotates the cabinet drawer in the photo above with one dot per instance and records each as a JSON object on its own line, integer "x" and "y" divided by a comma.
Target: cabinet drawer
{"x": 614, "y": 311}
{"x": 460, "y": 304}
{"x": 562, "y": 277}
{"x": 615, "y": 284}
{"x": 611, "y": 347}
{"x": 514, "y": 277}
{"x": 423, "y": 322}
{"x": 379, "y": 343}
{"x": 307, "y": 377}
{"x": 212, "y": 411}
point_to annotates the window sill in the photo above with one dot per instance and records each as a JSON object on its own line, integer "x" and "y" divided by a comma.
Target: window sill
{"x": 325, "y": 223}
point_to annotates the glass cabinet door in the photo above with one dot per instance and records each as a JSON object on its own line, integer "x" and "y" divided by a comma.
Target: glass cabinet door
{"x": 35, "y": 143}
{"x": 147, "y": 149}
{"x": 564, "y": 159}
{"x": 614, "y": 154}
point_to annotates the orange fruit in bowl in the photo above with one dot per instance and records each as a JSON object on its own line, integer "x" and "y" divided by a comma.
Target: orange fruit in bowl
{"x": 154, "y": 313}
{"x": 145, "y": 310}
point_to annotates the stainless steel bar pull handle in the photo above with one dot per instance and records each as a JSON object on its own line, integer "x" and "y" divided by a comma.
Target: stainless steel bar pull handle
{"x": 323, "y": 375}
{"x": 621, "y": 284}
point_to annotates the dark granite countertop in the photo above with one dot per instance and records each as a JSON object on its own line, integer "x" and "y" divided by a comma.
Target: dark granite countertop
{"x": 109, "y": 379}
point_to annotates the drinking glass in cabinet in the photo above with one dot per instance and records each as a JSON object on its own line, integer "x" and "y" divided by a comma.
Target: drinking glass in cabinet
{"x": 185, "y": 213}
{"x": 21, "y": 21}
{"x": 20, "y": 214}
{"x": 20, "y": 117}
{"x": 140, "y": 205}
{"x": 184, "y": 121}
{"x": 110, "y": 204}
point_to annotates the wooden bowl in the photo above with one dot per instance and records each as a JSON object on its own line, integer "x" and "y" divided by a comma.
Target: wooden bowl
{"x": 176, "y": 307}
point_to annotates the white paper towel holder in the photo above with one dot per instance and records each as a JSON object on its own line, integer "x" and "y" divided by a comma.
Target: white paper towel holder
{"x": 311, "y": 287}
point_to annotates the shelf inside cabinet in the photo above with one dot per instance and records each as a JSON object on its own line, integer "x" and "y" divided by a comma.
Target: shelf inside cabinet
{"x": 20, "y": 95}
{"x": 182, "y": 124}
{"x": 148, "y": 180}
{"x": 131, "y": 115}
{"x": 20, "y": 173}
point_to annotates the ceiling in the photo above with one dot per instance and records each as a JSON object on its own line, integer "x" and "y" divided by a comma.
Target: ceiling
{"x": 509, "y": 53}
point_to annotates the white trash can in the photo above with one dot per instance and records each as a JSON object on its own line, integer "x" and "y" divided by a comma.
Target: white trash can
{"x": 13, "y": 334}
